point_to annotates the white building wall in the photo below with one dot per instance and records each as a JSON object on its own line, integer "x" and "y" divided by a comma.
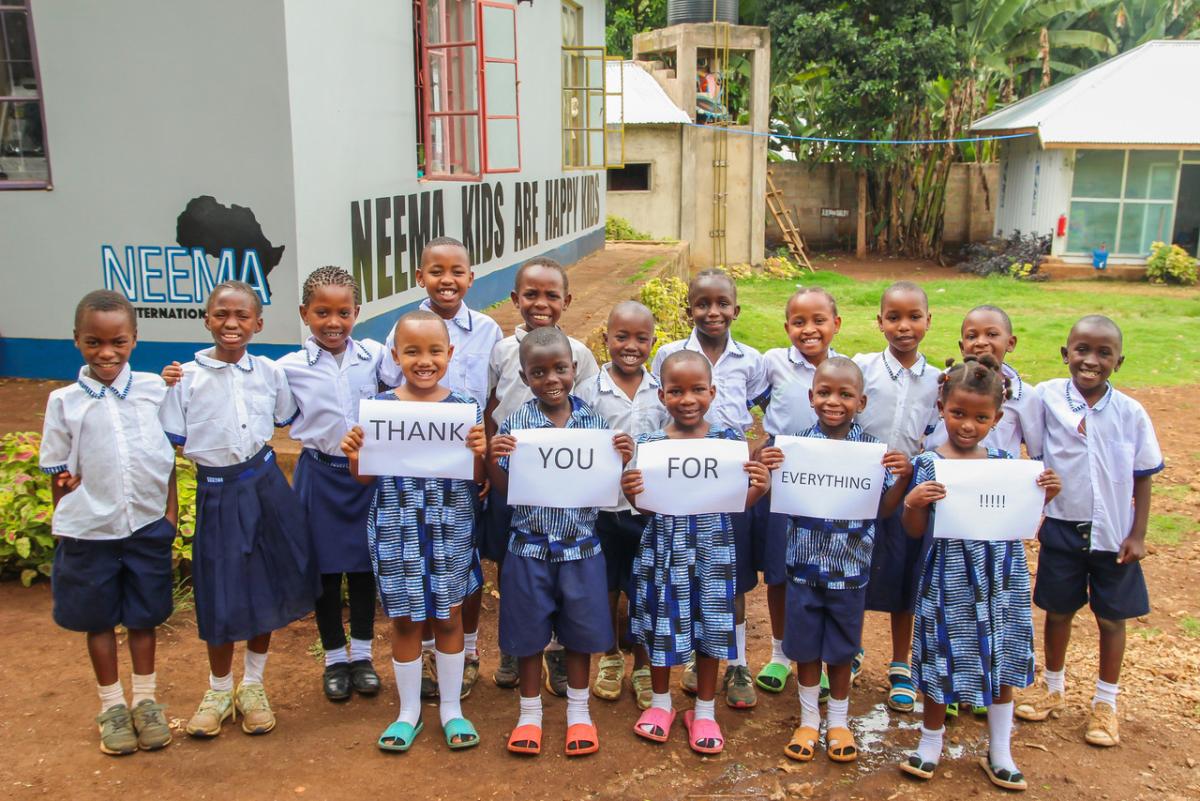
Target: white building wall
{"x": 1035, "y": 188}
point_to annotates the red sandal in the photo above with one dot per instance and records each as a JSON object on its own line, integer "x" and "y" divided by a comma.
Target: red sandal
{"x": 579, "y": 734}
{"x": 526, "y": 740}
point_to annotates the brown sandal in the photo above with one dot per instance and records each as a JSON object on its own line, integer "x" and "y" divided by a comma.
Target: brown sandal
{"x": 803, "y": 745}
{"x": 840, "y": 745}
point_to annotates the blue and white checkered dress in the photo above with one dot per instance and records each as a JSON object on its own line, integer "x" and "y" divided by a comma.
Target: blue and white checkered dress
{"x": 684, "y": 580}
{"x": 421, "y": 535}
{"x": 974, "y": 629}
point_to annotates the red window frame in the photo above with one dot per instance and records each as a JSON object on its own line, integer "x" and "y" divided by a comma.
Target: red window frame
{"x": 39, "y": 99}
{"x": 484, "y": 60}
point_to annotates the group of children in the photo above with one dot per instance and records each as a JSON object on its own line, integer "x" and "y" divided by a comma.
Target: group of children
{"x": 266, "y": 553}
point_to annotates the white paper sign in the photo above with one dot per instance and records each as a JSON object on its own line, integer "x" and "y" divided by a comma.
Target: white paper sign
{"x": 693, "y": 476}
{"x": 829, "y": 479}
{"x": 566, "y": 468}
{"x": 988, "y": 499}
{"x": 421, "y": 440}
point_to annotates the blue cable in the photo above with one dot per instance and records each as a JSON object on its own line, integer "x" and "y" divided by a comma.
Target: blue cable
{"x": 865, "y": 141}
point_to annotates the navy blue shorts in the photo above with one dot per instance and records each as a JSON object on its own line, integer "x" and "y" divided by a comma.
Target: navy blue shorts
{"x": 743, "y": 552}
{"x": 1070, "y": 574}
{"x": 822, "y": 624}
{"x": 538, "y": 598}
{"x": 100, "y": 584}
{"x": 769, "y": 533}
{"x": 493, "y": 532}
{"x": 620, "y": 536}
{"x": 896, "y": 564}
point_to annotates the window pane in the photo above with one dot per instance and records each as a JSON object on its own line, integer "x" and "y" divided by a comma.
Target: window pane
{"x": 16, "y": 60}
{"x": 1191, "y": 155}
{"x": 499, "y": 25}
{"x": 1091, "y": 224}
{"x": 452, "y": 79}
{"x": 22, "y": 142}
{"x": 595, "y": 110}
{"x": 1098, "y": 173}
{"x": 1141, "y": 224}
{"x": 503, "y": 152}
{"x": 501, "y": 83}
{"x": 595, "y": 73}
{"x": 453, "y": 147}
{"x": 1152, "y": 174}
{"x": 449, "y": 21}
{"x": 596, "y": 149}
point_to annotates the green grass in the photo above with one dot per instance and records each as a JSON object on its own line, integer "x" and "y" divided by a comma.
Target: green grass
{"x": 1169, "y": 529}
{"x": 643, "y": 270}
{"x": 1190, "y": 626}
{"x": 1148, "y": 633}
{"x": 1175, "y": 492}
{"x": 1159, "y": 323}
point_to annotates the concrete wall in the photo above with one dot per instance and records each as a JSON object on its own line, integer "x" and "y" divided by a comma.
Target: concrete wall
{"x": 657, "y": 211}
{"x": 1034, "y": 188}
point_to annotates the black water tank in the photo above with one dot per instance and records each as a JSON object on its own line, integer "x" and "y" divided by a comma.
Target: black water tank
{"x": 681, "y": 11}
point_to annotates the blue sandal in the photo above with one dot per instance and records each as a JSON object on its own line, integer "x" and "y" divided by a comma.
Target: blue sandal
{"x": 399, "y": 736}
{"x": 856, "y": 665}
{"x": 903, "y": 694}
{"x": 464, "y": 730}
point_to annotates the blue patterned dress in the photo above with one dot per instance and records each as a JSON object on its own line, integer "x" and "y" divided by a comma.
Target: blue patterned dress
{"x": 974, "y": 628}
{"x": 421, "y": 535}
{"x": 684, "y": 579}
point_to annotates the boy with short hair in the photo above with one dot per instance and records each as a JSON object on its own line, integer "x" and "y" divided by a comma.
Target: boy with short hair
{"x": 1102, "y": 443}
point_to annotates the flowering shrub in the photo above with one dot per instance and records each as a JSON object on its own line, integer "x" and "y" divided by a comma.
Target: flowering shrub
{"x": 1170, "y": 264}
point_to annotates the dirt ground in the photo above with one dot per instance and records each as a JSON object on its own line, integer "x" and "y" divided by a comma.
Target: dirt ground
{"x": 321, "y": 750}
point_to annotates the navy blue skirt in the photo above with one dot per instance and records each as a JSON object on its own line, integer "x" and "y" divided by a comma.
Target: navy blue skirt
{"x": 896, "y": 564}
{"x": 252, "y": 564}
{"x": 337, "y": 507}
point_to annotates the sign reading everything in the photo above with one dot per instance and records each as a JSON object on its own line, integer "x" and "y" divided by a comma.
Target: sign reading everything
{"x": 828, "y": 479}
{"x": 567, "y": 468}
{"x": 988, "y": 499}
{"x": 693, "y": 476}
{"x": 420, "y": 440}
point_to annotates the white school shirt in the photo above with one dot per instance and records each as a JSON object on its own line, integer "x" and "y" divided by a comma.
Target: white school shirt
{"x": 901, "y": 401}
{"x": 739, "y": 375}
{"x": 504, "y": 373}
{"x": 641, "y": 414}
{"x": 327, "y": 393}
{"x": 790, "y": 374}
{"x": 473, "y": 335}
{"x": 1022, "y": 421}
{"x": 221, "y": 413}
{"x": 1097, "y": 468}
{"x": 110, "y": 438}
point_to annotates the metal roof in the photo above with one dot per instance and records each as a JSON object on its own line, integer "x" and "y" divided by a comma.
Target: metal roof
{"x": 645, "y": 101}
{"x": 1141, "y": 97}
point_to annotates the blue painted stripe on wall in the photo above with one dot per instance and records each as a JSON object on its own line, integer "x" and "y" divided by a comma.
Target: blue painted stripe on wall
{"x": 58, "y": 358}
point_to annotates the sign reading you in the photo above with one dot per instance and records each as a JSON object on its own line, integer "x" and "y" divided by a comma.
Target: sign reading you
{"x": 420, "y": 440}
{"x": 567, "y": 468}
{"x": 828, "y": 479}
{"x": 693, "y": 476}
{"x": 988, "y": 499}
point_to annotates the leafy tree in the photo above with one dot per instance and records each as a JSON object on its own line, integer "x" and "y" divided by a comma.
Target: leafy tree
{"x": 625, "y": 18}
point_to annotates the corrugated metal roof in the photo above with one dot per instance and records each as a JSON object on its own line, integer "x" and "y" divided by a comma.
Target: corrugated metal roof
{"x": 645, "y": 101}
{"x": 1141, "y": 97}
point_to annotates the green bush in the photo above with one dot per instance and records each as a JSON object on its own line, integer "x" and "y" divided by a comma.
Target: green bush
{"x": 1170, "y": 264}
{"x": 667, "y": 300}
{"x": 620, "y": 228}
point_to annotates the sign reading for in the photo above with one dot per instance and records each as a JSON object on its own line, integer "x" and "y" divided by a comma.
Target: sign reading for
{"x": 420, "y": 440}
{"x": 828, "y": 479}
{"x": 988, "y": 499}
{"x": 693, "y": 476}
{"x": 566, "y": 468}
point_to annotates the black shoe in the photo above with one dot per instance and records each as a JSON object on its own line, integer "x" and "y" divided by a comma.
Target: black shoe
{"x": 336, "y": 681}
{"x": 363, "y": 677}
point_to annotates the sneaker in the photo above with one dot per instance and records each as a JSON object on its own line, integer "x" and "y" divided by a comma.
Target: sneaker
{"x": 739, "y": 687}
{"x": 153, "y": 731}
{"x": 251, "y": 701}
{"x": 643, "y": 687}
{"x": 688, "y": 679}
{"x": 507, "y": 675}
{"x": 1102, "y": 729}
{"x": 429, "y": 685}
{"x": 215, "y": 706}
{"x": 609, "y": 677}
{"x": 1038, "y": 703}
{"x": 117, "y": 736}
{"x": 470, "y": 676}
{"x": 555, "y": 664}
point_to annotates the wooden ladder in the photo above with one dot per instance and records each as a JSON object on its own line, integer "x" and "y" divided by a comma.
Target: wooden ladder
{"x": 783, "y": 219}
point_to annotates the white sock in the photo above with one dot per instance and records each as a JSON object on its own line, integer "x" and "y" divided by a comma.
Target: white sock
{"x": 810, "y": 709}
{"x": 577, "y": 706}
{"x": 740, "y": 633}
{"x": 554, "y": 644}
{"x": 144, "y": 687}
{"x": 110, "y": 695}
{"x": 408, "y": 686}
{"x": 930, "y": 747}
{"x": 428, "y": 646}
{"x": 836, "y": 711}
{"x": 336, "y": 656}
{"x": 1056, "y": 680}
{"x": 777, "y": 654}
{"x": 705, "y": 710}
{"x": 253, "y": 665}
{"x": 531, "y": 711}
{"x": 661, "y": 701}
{"x": 360, "y": 650}
{"x": 471, "y": 643}
{"x": 222, "y": 684}
{"x": 1106, "y": 693}
{"x": 450, "y": 679}
{"x": 1000, "y": 719}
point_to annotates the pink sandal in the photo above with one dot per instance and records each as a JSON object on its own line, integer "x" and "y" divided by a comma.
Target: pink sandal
{"x": 655, "y": 720}
{"x": 701, "y": 730}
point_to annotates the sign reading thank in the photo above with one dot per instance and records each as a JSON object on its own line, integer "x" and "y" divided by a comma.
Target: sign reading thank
{"x": 828, "y": 479}
{"x": 420, "y": 440}
{"x": 988, "y": 499}
{"x": 693, "y": 476}
{"x": 566, "y": 468}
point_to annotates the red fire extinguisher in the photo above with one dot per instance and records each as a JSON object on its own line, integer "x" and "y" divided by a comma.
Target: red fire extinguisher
{"x": 1062, "y": 225}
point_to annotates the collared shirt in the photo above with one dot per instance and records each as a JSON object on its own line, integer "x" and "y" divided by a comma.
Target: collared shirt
{"x": 542, "y": 532}
{"x": 473, "y": 335}
{"x": 221, "y": 413}
{"x": 504, "y": 373}
{"x": 901, "y": 401}
{"x": 835, "y": 554}
{"x": 641, "y": 414}
{"x": 739, "y": 375}
{"x": 790, "y": 374}
{"x": 111, "y": 439}
{"x": 1098, "y": 465}
{"x": 1021, "y": 422}
{"x": 327, "y": 392}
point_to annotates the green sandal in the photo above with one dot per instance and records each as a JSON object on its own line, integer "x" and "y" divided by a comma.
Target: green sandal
{"x": 399, "y": 736}
{"x": 773, "y": 677}
{"x": 903, "y": 694}
{"x": 463, "y": 730}
{"x": 951, "y": 712}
